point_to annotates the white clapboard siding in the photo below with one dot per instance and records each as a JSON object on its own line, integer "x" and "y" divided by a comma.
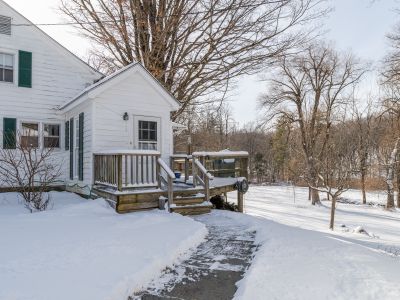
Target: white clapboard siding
{"x": 136, "y": 96}
{"x": 87, "y": 109}
{"x": 57, "y": 76}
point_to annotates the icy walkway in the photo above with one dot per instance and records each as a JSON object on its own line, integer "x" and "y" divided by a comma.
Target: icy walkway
{"x": 214, "y": 268}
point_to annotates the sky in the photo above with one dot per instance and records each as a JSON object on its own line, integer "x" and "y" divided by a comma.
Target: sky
{"x": 359, "y": 26}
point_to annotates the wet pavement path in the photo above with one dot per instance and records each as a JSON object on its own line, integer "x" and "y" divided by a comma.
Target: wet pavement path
{"x": 212, "y": 271}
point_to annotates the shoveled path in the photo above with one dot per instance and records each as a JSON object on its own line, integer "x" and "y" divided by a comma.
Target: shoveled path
{"x": 213, "y": 269}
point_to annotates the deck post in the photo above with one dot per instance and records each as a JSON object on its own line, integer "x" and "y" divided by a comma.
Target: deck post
{"x": 186, "y": 169}
{"x": 194, "y": 172}
{"x": 244, "y": 162}
{"x": 240, "y": 202}
{"x": 170, "y": 193}
{"x": 119, "y": 166}
{"x": 207, "y": 187}
{"x": 158, "y": 174}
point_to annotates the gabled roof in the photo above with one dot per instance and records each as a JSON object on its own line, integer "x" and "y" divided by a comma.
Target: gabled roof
{"x": 75, "y": 57}
{"x": 94, "y": 88}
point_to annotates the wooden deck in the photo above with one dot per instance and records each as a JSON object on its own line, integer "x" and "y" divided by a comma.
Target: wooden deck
{"x": 139, "y": 180}
{"x": 187, "y": 199}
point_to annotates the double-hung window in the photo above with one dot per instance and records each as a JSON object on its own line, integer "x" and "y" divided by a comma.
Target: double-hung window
{"x": 30, "y": 135}
{"x": 51, "y": 136}
{"x": 147, "y": 135}
{"x": 6, "y": 67}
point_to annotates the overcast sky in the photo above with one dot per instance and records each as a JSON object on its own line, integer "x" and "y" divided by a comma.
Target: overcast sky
{"x": 356, "y": 25}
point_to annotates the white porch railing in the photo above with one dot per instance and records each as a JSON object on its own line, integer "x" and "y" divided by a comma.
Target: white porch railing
{"x": 127, "y": 169}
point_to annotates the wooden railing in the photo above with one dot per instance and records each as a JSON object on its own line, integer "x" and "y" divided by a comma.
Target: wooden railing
{"x": 201, "y": 176}
{"x": 239, "y": 159}
{"x": 169, "y": 182}
{"x": 127, "y": 169}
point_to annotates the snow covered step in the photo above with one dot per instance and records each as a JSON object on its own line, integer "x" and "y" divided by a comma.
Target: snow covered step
{"x": 196, "y": 209}
{"x": 190, "y": 200}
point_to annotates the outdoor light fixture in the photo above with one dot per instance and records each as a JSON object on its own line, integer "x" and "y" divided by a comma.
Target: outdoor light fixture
{"x": 125, "y": 116}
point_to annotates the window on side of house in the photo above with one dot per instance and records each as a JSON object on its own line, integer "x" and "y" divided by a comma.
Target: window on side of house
{"x": 148, "y": 135}
{"x": 51, "y": 136}
{"x": 30, "y": 134}
{"x": 6, "y": 67}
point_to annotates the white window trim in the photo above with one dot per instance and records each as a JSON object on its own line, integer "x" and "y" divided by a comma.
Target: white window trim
{"x": 41, "y": 131}
{"x": 14, "y": 53}
{"x": 28, "y": 121}
{"x": 136, "y": 119}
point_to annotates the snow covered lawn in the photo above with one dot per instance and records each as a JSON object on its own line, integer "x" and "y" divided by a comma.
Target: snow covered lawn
{"x": 305, "y": 260}
{"x": 82, "y": 249}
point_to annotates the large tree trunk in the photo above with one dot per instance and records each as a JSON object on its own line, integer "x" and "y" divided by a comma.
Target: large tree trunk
{"x": 333, "y": 209}
{"x": 364, "y": 194}
{"x": 398, "y": 185}
{"x": 390, "y": 176}
{"x": 315, "y": 197}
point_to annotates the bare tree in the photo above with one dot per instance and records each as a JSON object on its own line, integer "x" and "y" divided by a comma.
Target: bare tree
{"x": 335, "y": 178}
{"x": 364, "y": 120}
{"x": 193, "y": 47}
{"x": 30, "y": 170}
{"x": 307, "y": 89}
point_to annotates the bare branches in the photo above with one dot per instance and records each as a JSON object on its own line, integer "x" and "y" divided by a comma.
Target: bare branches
{"x": 31, "y": 171}
{"x": 193, "y": 47}
{"x": 307, "y": 89}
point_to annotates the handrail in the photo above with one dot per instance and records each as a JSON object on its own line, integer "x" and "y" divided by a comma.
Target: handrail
{"x": 207, "y": 177}
{"x": 128, "y": 152}
{"x": 221, "y": 154}
{"x": 167, "y": 169}
{"x": 171, "y": 177}
{"x": 203, "y": 169}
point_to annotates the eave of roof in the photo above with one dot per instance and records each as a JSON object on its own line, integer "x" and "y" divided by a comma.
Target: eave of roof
{"x": 109, "y": 78}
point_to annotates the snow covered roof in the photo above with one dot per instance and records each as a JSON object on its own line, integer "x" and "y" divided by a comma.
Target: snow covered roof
{"x": 115, "y": 75}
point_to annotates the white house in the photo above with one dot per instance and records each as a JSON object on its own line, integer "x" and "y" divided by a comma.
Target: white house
{"x": 50, "y": 95}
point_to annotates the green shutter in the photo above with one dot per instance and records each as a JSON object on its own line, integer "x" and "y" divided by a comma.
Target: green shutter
{"x": 66, "y": 136}
{"x": 80, "y": 158}
{"x": 25, "y": 69}
{"x": 71, "y": 149}
{"x": 9, "y": 133}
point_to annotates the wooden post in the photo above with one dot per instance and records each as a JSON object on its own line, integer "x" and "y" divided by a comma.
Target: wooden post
{"x": 207, "y": 187}
{"x": 243, "y": 167}
{"x": 158, "y": 175}
{"x": 194, "y": 173}
{"x": 170, "y": 193}
{"x": 240, "y": 202}
{"x": 186, "y": 169}
{"x": 119, "y": 166}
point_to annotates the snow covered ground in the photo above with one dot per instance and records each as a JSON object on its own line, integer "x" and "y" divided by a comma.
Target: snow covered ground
{"x": 305, "y": 260}
{"x": 82, "y": 249}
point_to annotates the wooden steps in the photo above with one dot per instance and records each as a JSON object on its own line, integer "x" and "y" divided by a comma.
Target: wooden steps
{"x": 191, "y": 205}
{"x": 192, "y": 209}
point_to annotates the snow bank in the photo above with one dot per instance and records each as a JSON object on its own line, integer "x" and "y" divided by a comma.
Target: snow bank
{"x": 293, "y": 263}
{"x": 82, "y": 249}
{"x": 300, "y": 258}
